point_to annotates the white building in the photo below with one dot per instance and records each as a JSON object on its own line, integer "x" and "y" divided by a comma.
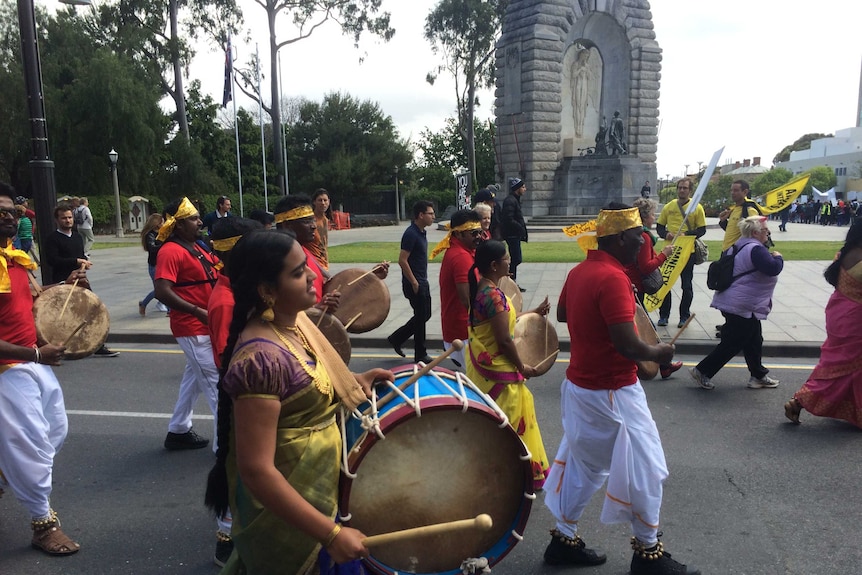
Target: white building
{"x": 841, "y": 152}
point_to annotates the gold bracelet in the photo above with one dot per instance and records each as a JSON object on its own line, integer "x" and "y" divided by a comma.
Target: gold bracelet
{"x": 332, "y": 535}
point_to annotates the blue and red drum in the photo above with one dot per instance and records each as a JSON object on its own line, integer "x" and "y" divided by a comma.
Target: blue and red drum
{"x": 428, "y": 452}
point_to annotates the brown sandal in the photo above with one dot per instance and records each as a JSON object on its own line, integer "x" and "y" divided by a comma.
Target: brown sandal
{"x": 48, "y": 537}
{"x": 792, "y": 409}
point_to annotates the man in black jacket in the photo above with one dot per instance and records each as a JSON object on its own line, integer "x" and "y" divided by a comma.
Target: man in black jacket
{"x": 513, "y": 226}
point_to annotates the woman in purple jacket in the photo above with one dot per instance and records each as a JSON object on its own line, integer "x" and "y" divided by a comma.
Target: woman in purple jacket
{"x": 744, "y": 304}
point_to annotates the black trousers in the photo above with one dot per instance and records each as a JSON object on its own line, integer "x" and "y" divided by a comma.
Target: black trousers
{"x": 515, "y": 254}
{"x": 685, "y": 280}
{"x": 738, "y": 334}
{"x": 420, "y": 301}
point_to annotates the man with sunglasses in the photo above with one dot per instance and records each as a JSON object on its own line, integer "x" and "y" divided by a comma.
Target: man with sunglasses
{"x": 465, "y": 234}
{"x": 222, "y": 211}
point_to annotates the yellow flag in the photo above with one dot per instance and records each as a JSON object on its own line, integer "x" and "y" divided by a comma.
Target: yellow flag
{"x": 683, "y": 247}
{"x": 782, "y": 196}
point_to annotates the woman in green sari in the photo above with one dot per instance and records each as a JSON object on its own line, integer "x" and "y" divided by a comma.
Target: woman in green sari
{"x": 279, "y": 446}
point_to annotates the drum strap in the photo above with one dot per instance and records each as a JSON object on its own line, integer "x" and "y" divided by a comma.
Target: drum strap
{"x": 209, "y": 269}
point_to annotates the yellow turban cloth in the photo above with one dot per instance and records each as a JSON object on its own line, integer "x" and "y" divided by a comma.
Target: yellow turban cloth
{"x": 295, "y": 214}
{"x": 445, "y": 242}
{"x": 10, "y": 254}
{"x": 186, "y": 210}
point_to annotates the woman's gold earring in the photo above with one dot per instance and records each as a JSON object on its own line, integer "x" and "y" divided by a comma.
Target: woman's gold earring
{"x": 268, "y": 314}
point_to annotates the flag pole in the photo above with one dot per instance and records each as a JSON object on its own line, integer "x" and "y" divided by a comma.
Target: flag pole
{"x": 228, "y": 95}
{"x": 283, "y": 136}
{"x": 262, "y": 141}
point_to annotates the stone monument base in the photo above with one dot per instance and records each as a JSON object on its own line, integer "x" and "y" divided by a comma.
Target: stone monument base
{"x": 585, "y": 184}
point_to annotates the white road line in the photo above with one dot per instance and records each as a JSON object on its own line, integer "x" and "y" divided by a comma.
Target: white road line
{"x": 130, "y": 414}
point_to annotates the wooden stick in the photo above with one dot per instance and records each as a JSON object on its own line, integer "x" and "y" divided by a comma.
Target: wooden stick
{"x": 77, "y": 329}
{"x": 71, "y": 291}
{"x": 353, "y": 319}
{"x": 371, "y": 271}
{"x": 546, "y": 359}
{"x": 325, "y": 310}
{"x": 35, "y": 283}
{"x": 482, "y": 522}
{"x": 682, "y": 329}
{"x": 457, "y": 345}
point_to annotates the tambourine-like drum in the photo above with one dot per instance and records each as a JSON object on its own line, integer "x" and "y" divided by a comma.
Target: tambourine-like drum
{"x": 333, "y": 330}
{"x": 364, "y": 301}
{"x": 536, "y": 341}
{"x": 646, "y": 369}
{"x": 437, "y": 451}
{"x": 83, "y": 305}
{"x": 508, "y": 286}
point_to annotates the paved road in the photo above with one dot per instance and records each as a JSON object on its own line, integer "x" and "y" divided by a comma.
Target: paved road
{"x": 748, "y": 493}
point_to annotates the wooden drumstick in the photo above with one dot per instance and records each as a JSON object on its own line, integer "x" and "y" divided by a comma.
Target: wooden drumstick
{"x": 546, "y": 359}
{"x": 371, "y": 271}
{"x": 482, "y": 522}
{"x": 74, "y": 285}
{"x": 457, "y": 345}
{"x": 77, "y": 329}
{"x": 353, "y": 319}
{"x": 682, "y": 329}
{"x": 325, "y": 310}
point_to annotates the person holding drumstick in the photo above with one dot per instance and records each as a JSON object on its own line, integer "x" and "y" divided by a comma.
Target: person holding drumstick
{"x": 277, "y": 465}
{"x": 494, "y": 364}
{"x": 33, "y": 422}
{"x": 608, "y": 431}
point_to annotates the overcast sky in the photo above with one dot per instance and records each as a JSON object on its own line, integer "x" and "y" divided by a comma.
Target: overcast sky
{"x": 750, "y": 75}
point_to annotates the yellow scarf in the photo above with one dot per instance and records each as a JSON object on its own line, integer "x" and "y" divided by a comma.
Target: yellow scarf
{"x": 446, "y": 241}
{"x": 10, "y": 254}
{"x": 186, "y": 210}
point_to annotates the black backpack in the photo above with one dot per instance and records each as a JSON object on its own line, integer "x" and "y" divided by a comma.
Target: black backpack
{"x": 720, "y": 276}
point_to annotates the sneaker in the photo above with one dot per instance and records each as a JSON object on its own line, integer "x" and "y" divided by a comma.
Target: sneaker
{"x": 223, "y": 550}
{"x": 701, "y": 379}
{"x": 187, "y": 440}
{"x": 161, "y": 307}
{"x": 142, "y": 309}
{"x": 682, "y": 321}
{"x": 564, "y": 550}
{"x": 763, "y": 382}
{"x": 522, "y": 289}
{"x": 105, "y": 352}
{"x": 657, "y": 561}
{"x": 670, "y": 369}
{"x": 662, "y": 321}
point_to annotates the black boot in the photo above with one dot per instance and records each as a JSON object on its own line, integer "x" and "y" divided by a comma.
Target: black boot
{"x": 564, "y": 550}
{"x": 656, "y": 561}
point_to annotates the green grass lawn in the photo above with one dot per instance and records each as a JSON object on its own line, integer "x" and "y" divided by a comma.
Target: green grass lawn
{"x": 567, "y": 252}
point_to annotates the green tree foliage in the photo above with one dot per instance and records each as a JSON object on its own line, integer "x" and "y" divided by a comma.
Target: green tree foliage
{"x": 15, "y": 133}
{"x": 822, "y": 177}
{"x": 442, "y": 153}
{"x": 343, "y": 145}
{"x": 770, "y": 180}
{"x": 803, "y": 143}
{"x": 464, "y": 33}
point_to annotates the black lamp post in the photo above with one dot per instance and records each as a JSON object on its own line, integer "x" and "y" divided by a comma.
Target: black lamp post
{"x": 41, "y": 166}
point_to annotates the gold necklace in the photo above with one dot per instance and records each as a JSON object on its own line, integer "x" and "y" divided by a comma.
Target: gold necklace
{"x": 318, "y": 375}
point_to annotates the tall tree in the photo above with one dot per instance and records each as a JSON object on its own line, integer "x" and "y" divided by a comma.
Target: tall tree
{"x": 770, "y": 180}
{"x": 465, "y": 32}
{"x": 803, "y": 143}
{"x": 305, "y": 16}
{"x": 443, "y": 153}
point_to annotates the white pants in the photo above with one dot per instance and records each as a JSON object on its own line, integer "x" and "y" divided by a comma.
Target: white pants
{"x": 608, "y": 435}
{"x": 199, "y": 376}
{"x": 456, "y": 355}
{"x": 33, "y": 426}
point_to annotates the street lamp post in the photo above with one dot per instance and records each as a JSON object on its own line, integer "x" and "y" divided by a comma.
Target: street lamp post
{"x": 113, "y": 156}
{"x": 397, "y": 199}
{"x": 41, "y": 167}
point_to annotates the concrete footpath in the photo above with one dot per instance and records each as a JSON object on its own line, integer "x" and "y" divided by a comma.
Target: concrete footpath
{"x": 795, "y": 328}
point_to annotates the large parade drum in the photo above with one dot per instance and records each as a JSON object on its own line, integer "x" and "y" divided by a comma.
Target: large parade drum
{"x": 647, "y": 333}
{"x": 508, "y": 286}
{"x": 536, "y": 341}
{"x": 332, "y": 330}
{"x": 55, "y": 326}
{"x": 364, "y": 301}
{"x": 433, "y": 451}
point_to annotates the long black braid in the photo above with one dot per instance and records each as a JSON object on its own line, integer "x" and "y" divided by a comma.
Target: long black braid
{"x": 257, "y": 258}
{"x": 854, "y": 240}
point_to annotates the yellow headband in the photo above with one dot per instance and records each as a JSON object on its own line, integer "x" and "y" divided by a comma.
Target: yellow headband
{"x": 612, "y": 222}
{"x": 445, "y": 242}
{"x": 186, "y": 210}
{"x": 294, "y": 214}
{"x": 226, "y": 244}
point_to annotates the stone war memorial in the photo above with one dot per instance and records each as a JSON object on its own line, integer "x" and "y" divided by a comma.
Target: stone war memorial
{"x": 577, "y": 86}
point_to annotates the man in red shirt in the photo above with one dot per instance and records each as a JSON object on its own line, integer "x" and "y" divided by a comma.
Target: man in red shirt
{"x": 609, "y": 433}
{"x": 465, "y": 234}
{"x": 33, "y": 422}
{"x": 184, "y": 279}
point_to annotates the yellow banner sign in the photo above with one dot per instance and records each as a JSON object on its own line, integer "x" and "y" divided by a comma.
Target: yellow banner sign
{"x": 671, "y": 269}
{"x": 781, "y": 197}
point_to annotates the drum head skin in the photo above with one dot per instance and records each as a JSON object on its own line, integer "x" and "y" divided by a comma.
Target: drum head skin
{"x": 364, "y": 304}
{"x": 83, "y": 305}
{"x": 333, "y": 331}
{"x": 444, "y": 466}
{"x": 536, "y": 341}
{"x": 511, "y": 289}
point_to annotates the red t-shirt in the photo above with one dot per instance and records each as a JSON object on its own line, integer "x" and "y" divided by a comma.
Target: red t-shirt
{"x": 175, "y": 264}
{"x": 219, "y": 315}
{"x": 318, "y": 282}
{"x": 455, "y": 269}
{"x": 16, "y": 309}
{"x": 597, "y": 294}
